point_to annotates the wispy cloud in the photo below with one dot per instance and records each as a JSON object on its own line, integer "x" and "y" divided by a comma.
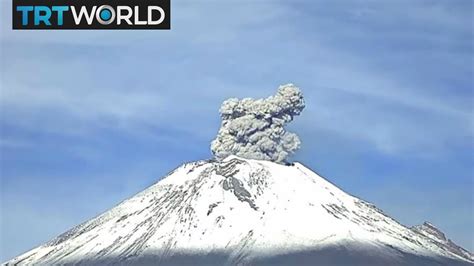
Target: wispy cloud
{"x": 86, "y": 82}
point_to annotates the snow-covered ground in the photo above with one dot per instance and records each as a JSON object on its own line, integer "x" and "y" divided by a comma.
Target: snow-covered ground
{"x": 246, "y": 212}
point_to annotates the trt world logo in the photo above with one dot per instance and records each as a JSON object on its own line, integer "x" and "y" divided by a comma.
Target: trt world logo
{"x": 91, "y": 14}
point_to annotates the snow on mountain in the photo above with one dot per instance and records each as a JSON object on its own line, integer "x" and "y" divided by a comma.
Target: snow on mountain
{"x": 440, "y": 239}
{"x": 245, "y": 212}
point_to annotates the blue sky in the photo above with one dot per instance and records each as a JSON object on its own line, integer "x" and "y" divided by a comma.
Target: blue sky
{"x": 89, "y": 118}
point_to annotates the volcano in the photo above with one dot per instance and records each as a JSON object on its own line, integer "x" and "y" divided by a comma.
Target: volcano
{"x": 246, "y": 212}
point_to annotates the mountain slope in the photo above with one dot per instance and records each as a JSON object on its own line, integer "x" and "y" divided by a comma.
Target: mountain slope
{"x": 440, "y": 239}
{"x": 243, "y": 212}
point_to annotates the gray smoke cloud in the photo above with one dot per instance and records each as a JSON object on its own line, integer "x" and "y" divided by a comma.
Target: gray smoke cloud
{"x": 255, "y": 129}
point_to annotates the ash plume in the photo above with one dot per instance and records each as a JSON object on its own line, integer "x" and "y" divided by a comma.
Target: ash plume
{"x": 255, "y": 128}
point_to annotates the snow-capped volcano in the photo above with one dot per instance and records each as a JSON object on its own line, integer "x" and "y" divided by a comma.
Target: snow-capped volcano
{"x": 245, "y": 212}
